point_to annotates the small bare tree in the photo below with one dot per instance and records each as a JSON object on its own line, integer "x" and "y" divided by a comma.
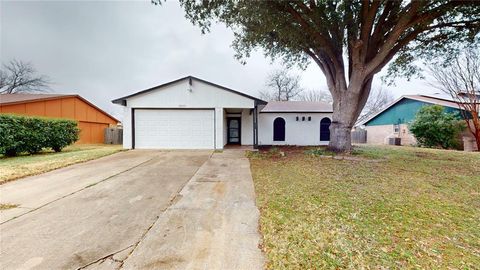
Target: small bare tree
{"x": 461, "y": 80}
{"x": 282, "y": 86}
{"x": 20, "y": 77}
{"x": 316, "y": 95}
{"x": 378, "y": 99}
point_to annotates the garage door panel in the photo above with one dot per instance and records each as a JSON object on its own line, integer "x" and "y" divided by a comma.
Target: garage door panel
{"x": 174, "y": 129}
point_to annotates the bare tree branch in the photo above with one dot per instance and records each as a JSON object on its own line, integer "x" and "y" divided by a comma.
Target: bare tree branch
{"x": 20, "y": 77}
{"x": 316, "y": 95}
{"x": 461, "y": 80}
{"x": 378, "y": 99}
{"x": 282, "y": 86}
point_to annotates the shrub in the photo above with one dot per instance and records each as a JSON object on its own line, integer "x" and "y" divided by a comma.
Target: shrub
{"x": 61, "y": 133}
{"x": 19, "y": 134}
{"x": 35, "y": 134}
{"x": 12, "y": 132}
{"x": 433, "y": 127}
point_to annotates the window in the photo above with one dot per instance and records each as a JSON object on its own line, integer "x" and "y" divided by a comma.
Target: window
{"x": 309, "y": 118}
{"x": 279, "y": 129}
{"x": 396, "y": 128}
{"x": 325, "y": 129}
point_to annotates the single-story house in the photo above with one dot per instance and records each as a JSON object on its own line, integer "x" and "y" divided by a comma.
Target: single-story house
{"x": 191, "y": 113}
{"x": 92, "y": 120}
{"x": 392, "y": 121}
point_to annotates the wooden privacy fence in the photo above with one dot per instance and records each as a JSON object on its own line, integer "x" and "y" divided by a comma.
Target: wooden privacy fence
{"x": 113, "y": 136}
{"x": 359, "y": 136}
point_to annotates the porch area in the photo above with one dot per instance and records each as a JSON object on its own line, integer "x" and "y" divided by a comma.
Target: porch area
{"x": 240, "y": 128}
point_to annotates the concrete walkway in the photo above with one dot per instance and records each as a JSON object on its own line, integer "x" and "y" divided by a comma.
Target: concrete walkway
{"x": 164, "y": 210}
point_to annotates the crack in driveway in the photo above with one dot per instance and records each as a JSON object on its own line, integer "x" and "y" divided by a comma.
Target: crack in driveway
{"x": 139, "y": 219}
{"x": 74, "y": 192}
{"x": 214, "y": 224}
{"x": 174, "y": 199}
{"x": 104, "y": 258}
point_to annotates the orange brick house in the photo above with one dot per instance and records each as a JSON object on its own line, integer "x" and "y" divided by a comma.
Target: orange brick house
{"x": 92, "y": 121}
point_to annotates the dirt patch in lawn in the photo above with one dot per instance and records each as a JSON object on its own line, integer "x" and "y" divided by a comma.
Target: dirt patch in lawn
{"x": 293, "y": 152}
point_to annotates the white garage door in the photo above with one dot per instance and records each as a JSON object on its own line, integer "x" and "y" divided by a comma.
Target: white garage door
{"x": 174, "y": 129}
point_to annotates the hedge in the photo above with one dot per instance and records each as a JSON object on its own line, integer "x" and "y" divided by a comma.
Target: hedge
{"x": 23, "y": 134}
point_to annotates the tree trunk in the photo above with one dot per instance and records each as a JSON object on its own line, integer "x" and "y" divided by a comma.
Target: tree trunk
{"x": 341, "y": 127}
{"x": 340, "y": 136}
{"x": 477, "y": 137}
{"x": 347, "y": 105}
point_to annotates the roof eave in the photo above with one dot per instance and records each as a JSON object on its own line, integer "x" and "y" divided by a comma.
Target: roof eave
{"x": 120, "y": 101}
{"x": 61, "y": 97}
{"x": 296, "y": 111}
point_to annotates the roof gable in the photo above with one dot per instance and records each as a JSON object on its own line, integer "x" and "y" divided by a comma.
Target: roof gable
{"x": 122, "y": 100}
{"x": 418, "y": 98}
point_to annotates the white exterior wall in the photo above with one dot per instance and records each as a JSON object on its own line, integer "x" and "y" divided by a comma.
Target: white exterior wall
{"x": 406, "y": 136}
{"x": 219, "y": 126}
{"x": 225, "y": 124}
{"x": 380, "y": 134}
{"x": 179, "y": 96}
{"x": 247, "y": 127}
{"x": 127, "y": 127}
{"x": 296, "y": 132}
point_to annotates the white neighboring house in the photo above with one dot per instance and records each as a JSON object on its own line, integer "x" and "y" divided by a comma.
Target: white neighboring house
{"x": 191, "y": 113}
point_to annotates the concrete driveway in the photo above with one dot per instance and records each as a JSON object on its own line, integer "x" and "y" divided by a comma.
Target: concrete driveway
{"x": 135, "y": 210}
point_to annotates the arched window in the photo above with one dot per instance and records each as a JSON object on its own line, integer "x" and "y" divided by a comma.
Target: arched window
{"x": 325, "y": 129}
{"x": 279, "y": 129}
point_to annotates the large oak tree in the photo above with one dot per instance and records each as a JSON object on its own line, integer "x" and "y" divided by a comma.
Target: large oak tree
{"x": 350, "y": 40}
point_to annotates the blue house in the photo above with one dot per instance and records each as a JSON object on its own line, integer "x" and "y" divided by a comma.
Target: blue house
{"x": 393, "y": 120}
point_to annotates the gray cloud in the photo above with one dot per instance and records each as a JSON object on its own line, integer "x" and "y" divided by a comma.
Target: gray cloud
{"x": 104, "y": 50}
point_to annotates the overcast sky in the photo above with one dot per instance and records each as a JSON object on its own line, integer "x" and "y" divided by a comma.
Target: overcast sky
{"x": 105, "y": 50}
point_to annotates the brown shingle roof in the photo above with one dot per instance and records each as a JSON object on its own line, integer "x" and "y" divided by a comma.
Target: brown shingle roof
{"x": 434, "y": 100}
{"x": 297, "y": 106}
{"x": 19, "y": 98}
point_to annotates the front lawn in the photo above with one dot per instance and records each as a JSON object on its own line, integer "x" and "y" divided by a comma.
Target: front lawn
{"x": 382, "y": 208}
{"x": 12, "y": 168}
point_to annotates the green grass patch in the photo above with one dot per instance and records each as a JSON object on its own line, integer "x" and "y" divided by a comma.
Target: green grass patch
{"x": 12, "y": 168}
{"x": 321, "y": 151}
{"x": 414, "y": 209}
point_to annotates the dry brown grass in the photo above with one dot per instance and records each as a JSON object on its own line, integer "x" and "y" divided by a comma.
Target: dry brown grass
{"x": 5, "y": 206}
{"x": 12, "y": 168}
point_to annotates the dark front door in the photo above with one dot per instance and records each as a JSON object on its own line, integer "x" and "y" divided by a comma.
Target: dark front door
{"x": 233, "y": 126}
